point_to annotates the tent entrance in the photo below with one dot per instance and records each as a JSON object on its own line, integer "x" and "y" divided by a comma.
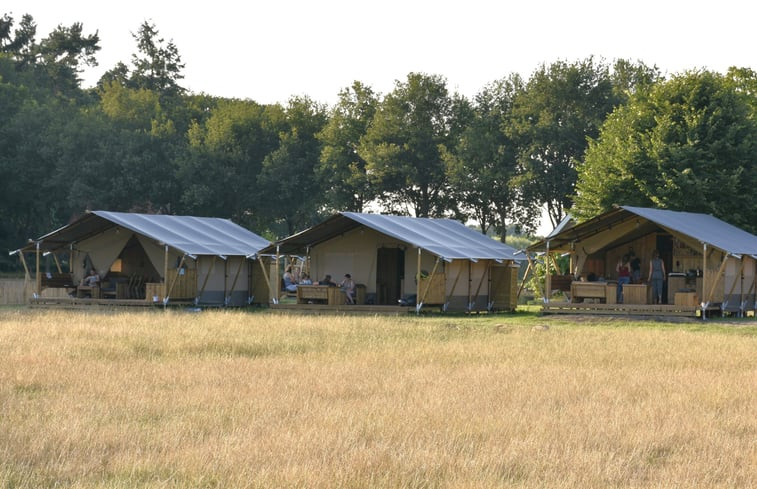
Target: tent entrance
{"x": 390, "y": 268}
{"x": 134, "y": 268}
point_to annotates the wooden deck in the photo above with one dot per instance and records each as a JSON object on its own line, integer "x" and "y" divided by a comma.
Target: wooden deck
{"x": 621, "y": 309}
{"x": 342, "y": 309}
{"x": 78, "y": 302}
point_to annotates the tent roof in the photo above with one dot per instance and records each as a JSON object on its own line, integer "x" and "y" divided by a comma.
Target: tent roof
{"x": 701, "y": 227}
{"x": 188, "y": 234}
{"x": 446, "y": 238}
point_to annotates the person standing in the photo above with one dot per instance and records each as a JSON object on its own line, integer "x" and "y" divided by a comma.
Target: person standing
{"x": 624, "y": 277}
{"x": 656, "y": 276}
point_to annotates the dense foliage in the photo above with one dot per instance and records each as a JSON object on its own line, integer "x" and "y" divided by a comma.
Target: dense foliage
{"x": 139, "y": 141}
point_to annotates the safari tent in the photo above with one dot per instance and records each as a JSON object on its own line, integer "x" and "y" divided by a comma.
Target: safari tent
{"x": 710, "y": 264}
{"x": 405, "y": 260}
{"x": 147, "y": 258}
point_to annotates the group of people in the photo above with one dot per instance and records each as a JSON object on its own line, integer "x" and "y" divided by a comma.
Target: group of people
{"x": 629, "y": 271}
{"x": 347, "y": 284}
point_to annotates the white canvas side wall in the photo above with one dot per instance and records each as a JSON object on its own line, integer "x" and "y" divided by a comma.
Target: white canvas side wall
{"x": 467, "y": 283}
{"x": 103, "y": 249}
{"x": 238, "y": 296}
{"x": 355, "y": 253}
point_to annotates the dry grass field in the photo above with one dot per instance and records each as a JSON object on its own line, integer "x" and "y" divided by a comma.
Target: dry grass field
{"x": 237, "y": 400}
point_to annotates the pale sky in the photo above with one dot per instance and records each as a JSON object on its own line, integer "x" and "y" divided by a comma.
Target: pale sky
{"x": 270, "y": 51}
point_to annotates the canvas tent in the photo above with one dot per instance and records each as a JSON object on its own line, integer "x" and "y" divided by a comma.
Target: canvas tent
{"x": 705, "y": 257}
{"x": 153, "y": 257}
{"x": 459, "y": 268}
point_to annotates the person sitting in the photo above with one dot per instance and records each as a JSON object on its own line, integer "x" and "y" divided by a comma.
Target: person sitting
{"x": 306, "y": 279}
{"x": 327, "y": 281}
{"x": 290, "y": 284}
{"x": 88, "y": 284}
{"x": 91, "y": 279}
{"x": 348, "y": 286}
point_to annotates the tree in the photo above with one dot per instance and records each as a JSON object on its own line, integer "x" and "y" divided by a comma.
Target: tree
{"x": 402, "y": 146}
{"x": 158, "y": 65}
{"x": 562, "y": 105}
{"x": 483, "y": 163}
{"x": 288, "y": 190}
{"x": 219, "y": 172}
{"x": 57, "y": 60}
{"x": 692, "y": 136}
{"x": 341, "y": 170}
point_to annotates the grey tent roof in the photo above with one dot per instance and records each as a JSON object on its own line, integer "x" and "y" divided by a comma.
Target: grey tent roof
{"x": 192, "y": 235}
{"x": 701, "y": 227}
{"x": 446, "y": 238}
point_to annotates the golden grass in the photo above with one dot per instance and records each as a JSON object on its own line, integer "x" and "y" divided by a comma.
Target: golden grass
{"x": 233, "y": 399}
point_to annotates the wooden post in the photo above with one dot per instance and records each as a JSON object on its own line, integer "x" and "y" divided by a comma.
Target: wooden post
{"x": 173, "y": 282}
{"x": 57, "y": 263}
{"x": 715, "y": 282}
{"x": 430, "y": 278}
{"x": 27, "y": 274}
{"x": 265, "y": 273}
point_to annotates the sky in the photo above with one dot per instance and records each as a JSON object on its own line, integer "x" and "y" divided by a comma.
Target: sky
{"x": 273, "y": 50}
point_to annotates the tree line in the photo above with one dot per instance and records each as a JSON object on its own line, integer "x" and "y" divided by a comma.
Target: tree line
{"x": 574, "y": 137}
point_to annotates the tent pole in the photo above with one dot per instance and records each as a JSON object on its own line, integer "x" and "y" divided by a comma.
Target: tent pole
{"x": 418, "y": 303}
{"x": 165, "y": 277}
{"x": 275, "y": 279}
{"x": 39, "y": 279}
{"x": 430, "y": 278}
{"x": 704, "y": 304}
{"x": 525, "y": 276}
{"x": 225, "y": 276}
{"x": 547, "y": 278}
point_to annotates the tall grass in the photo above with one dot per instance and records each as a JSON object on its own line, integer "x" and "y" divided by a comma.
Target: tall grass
{"x": 232, "y": 399}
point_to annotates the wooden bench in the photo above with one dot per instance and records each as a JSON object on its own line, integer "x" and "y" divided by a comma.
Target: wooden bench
{"x": 56, "y": 281}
